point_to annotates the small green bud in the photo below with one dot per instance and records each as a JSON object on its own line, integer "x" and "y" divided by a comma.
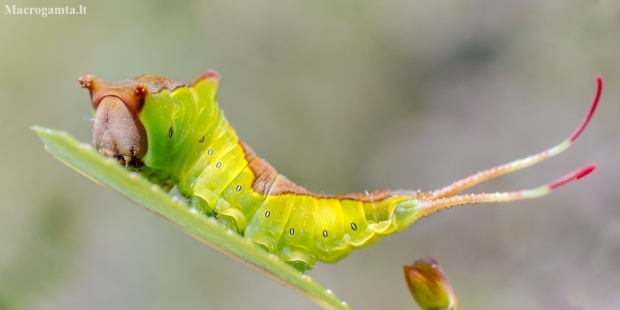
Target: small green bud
{"x": 429, "y": 287}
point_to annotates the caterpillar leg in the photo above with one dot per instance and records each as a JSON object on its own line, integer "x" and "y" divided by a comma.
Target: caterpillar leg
{"x": 200, "y": 205}
{"x": 519, "y": 164}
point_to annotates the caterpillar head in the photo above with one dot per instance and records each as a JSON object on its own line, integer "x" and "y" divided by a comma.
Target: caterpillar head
{"x": 117, "y": 131}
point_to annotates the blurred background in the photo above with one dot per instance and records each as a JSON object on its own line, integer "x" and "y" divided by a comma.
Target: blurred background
{"x": 338, "y": 96}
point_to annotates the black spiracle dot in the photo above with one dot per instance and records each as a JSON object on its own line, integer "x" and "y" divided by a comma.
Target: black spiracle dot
{"x": 219, "y": 164}
{"x": 170, "y": 131}
{"x": 238, "y": 188}
{"x": 210, "y": 152}
{"x": 202, "y": 139}
{"x": 353, "y": 226}
{"x": 324, "y": 233}
{"x": 267, "y": 214}
{"x": 291, "y": 231}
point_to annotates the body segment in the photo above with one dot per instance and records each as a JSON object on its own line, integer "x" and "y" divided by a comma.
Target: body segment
{"x": 191, "y": 145}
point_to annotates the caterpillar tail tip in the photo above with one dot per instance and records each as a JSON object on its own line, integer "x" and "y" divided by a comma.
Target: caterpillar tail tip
{"x": 593, "y": 106}
{"x": 575, "y": 175}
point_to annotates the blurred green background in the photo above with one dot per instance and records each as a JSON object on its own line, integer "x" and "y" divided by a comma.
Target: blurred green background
{"x": 339, "y": 96}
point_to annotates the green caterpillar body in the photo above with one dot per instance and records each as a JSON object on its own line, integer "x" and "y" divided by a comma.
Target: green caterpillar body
{"x": 175, "y": 134}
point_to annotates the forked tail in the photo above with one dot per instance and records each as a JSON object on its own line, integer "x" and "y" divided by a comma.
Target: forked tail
{"x": 409, "y": 211}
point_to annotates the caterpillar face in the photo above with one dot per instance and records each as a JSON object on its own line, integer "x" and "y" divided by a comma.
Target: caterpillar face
{"x": 118, "y": 132}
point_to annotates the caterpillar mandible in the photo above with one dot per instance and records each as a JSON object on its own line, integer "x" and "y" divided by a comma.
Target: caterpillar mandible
{"x": 174, "y": 134}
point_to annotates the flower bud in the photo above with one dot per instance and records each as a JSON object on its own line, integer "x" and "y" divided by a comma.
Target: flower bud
{"x": 429, "y": 287}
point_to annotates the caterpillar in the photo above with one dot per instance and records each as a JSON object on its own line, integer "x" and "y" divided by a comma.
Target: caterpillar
{"x": 174, "y": 134}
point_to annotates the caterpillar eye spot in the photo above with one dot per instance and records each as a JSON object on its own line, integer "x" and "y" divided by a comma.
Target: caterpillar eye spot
{"x": 210, "y": 152}
{"x": 219, "y": 164}
{"x": 353, "y": 226}
{"x": 202, "y": 140}
{"x": 170, "y": 131}
{"x": 291, "y": 231}
{"x": 267, "y": 214}
{"x": 324, "y": 233}
{"x": 238, "y": 188}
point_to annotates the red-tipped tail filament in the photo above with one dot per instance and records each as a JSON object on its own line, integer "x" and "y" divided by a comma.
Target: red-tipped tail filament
{"x": 446, "y": 197}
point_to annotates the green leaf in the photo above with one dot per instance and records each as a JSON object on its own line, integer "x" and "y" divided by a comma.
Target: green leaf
{"x": 86, "y": 160}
